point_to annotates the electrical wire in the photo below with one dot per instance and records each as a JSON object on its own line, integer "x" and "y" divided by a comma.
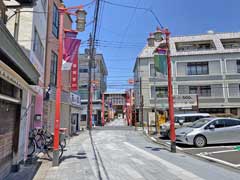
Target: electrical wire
{"x": 137, "y": 8}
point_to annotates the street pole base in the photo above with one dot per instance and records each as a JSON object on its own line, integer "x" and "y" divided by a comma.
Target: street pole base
{"x": 173, "y": 147}
{"x": 55, "y": 158}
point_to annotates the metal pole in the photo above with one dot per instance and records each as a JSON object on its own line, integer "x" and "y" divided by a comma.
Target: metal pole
{"x": 103, "y": 104}
{"x": 16, "y": 25}
{"x": 170, "y": 96}
{"x": 58, "y": 92}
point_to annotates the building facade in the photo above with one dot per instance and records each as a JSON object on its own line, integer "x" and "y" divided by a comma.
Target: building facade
{"x": 50, "y": 80}
{"x": 115, "y": 105}
{"x": 29, "y": 29}
{"x": 206, "y": 65}
{"x": 99, "y": 74}
{"x": 17, "y": 77}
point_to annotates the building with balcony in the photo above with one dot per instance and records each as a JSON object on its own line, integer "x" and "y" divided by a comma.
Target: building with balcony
{"x": 99, "y": 75}
{"x": 207, "y": 65}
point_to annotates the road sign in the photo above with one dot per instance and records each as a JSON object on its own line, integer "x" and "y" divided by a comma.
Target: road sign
{"x": 185, "y": 100}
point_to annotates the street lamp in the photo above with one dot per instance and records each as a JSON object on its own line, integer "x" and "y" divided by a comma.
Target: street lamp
{"x": 81, "y": 20}
{"x": 158, "y": 36}
{"x": 81, "y": 16}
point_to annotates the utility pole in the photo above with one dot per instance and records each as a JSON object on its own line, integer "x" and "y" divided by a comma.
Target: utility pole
{"x": 141, "y": 102}
{"x": 91, "y": 59}
{"x": 89, "y": 123}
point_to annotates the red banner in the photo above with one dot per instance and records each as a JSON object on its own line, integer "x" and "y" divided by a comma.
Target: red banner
{"x": 70, "y": 55}
{"x": 74, "y": 74}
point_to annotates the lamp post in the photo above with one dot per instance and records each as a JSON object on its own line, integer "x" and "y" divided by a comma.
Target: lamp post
{"x": 81, "y": 21}
{"x": 158, "y": 37}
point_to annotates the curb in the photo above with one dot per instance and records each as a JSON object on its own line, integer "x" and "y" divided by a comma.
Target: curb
{"x": 156, "y": 141}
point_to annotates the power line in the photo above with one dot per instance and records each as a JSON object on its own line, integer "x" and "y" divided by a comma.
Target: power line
{"x": 137, "y": 8}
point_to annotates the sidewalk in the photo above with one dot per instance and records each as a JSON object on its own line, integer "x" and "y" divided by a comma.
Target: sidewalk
{"x": 78, "y": 160}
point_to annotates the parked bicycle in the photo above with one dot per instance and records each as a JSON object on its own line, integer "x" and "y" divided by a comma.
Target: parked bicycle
{"x": 40, "y": 140}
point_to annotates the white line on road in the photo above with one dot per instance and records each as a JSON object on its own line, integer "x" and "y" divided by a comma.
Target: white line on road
{"x": 211, "y": 147}
{"x": 219, "y": 160}
{"x": 176, "y": 170}
{"x": 218, "y": 152}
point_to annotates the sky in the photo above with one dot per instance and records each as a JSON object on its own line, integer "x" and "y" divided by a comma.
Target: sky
{"x": 122, "y": 32}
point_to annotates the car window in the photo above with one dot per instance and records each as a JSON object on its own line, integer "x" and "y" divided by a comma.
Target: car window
{"x": 199, "y": 123}
{"x": 231, "y": 122}
{"x": 190, "y": 119}
{"x": 220, "y": 123}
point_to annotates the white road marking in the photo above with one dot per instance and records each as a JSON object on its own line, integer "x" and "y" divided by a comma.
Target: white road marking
{"x": 176, "y": 170}
{"x": 217, "y": 152}
{"x": 211, "y": 147}
{"x": 218, "y": 160}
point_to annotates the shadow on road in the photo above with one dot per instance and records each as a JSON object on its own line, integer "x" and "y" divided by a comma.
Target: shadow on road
{"x": 72, "y": 156}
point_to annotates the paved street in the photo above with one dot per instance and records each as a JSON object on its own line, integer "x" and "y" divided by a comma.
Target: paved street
{"x": 225, "y": 154}
{"x": 122, "y": 153}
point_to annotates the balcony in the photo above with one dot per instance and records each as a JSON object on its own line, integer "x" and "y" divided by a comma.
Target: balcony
{"x": 231, "y": 43}
{"x": 195, "y": 46}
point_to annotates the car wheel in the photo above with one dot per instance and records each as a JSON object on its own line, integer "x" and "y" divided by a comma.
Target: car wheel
{"x": 200, "y": 141}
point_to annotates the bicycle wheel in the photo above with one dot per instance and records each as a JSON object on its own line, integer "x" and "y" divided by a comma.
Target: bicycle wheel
{"x": 50, "y": 151}
{"x": 31, "y": 147}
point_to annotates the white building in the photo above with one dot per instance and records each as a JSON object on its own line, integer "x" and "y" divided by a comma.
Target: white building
{"x": 207, "y": 65}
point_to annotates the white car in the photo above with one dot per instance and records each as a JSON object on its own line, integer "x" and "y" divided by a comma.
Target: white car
{"x": 210, "y": 131}
{"x": 181, "y": 120}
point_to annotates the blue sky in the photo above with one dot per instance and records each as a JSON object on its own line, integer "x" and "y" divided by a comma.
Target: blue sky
{"x": 122, "y": 32}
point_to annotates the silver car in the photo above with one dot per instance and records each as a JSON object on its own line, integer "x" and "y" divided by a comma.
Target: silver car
{"x": 210, "y": 131}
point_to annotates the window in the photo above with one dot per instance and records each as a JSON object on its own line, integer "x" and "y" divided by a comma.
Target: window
{"x": 38, "y": 47}
{"x": 83, "y": 70}
{"x": 161, "y": 92}
{"x": 212, "y": 110}
{"x": 53, "y": 70}
{"x": 83, "y": 86}
{"x": 231, "y": 122}
{"x": 203, "y": 91}
{"x": 218, "y": 123}
{"x": 197, "y": 68}
{"x": 152, "y": 70}
{"x": 238, "y": 66}
{"x": 55, "y": 21}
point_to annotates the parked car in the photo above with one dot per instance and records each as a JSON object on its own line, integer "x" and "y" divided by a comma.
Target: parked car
{"x": 181, "y": 120}
{"x": 210, "y": 131}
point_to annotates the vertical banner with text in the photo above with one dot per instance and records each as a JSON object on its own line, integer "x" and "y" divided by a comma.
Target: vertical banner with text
{"x": 70, "y": 56}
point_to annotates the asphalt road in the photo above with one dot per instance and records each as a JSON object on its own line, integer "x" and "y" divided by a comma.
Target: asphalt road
{"x": 126, "y": 154}
{"x": 118, "y": 152}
